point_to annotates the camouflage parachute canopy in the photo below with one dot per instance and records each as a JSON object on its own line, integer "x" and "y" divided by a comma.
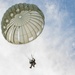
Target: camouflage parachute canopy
{"x": 22, "y": 23}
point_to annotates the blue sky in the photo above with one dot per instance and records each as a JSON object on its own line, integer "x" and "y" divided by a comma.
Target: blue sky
{"x": 54, "y": 49}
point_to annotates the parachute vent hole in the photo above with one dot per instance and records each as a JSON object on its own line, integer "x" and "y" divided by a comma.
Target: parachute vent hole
{"x": 17, "y": 10}
{"x": 7, "y": 20}
{"x": 25, "y": 6}
{"x": 4, "y": 27}
{"x": 11, "y": 14}
{"x": 30, "y": 38}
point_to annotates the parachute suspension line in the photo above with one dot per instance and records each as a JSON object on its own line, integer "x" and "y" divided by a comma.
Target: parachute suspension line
{"x": 27, "y": 57}
{"x": 33, "y": 53}
{"x": 30, "y": 56}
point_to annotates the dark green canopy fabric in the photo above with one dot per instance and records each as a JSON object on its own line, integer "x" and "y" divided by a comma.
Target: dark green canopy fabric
{"x": 22, "y": 23}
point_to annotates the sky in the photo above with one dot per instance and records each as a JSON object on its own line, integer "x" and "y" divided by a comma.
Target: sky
{"x": 54, "y": 49}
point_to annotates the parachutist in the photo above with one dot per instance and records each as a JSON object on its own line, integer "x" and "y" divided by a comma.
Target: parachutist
{"x": 32, "y": 62}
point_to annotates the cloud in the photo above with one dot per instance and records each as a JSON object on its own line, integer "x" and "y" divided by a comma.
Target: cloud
{"x": 59, "y": 40}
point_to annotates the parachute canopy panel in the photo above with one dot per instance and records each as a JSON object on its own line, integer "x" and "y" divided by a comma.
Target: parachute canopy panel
{"x": 22, "y": 23}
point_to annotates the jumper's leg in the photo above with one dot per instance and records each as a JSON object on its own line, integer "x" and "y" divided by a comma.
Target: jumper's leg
{"x": 31, "y": 66}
